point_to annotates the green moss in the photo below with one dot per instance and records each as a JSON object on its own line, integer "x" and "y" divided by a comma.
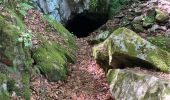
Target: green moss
{"x": 4, "y": 96}
{"x": 117, "y": 5}
{"x": 130, "y": 48}
{"x": 148, "y": 21}
{"x": 139, "y": 51}
{"x": 51, "y": 61}
{"x": 2, "y": 78}
{"x": 26, "y": 83}
{"x": 111, "y": 75}
{"x": 16, "y": 53}
{"x": 93, "y": 5}
{"x": 11, "y": 86}
{"x": 70, "y": 45}
{"x": 138, "y": 28}
{"x": 160, "y": 41}
{"x": 161, "y": 16}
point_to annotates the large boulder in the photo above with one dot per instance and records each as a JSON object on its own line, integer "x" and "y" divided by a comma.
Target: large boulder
{"x": 130, "y": 85}
{"x": 124, "y": 48}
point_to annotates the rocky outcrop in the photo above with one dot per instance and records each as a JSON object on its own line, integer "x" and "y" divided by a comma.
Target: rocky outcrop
{"x": 63, "y": 10}
{"x": 126, "y": 84}
{"x": 124, "y": 48}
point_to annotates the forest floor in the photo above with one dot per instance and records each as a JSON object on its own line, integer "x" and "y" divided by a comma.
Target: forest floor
{"x": 86, "y": 80}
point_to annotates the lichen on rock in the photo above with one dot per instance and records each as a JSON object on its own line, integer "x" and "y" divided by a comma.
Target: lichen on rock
{"x": 161, "y": 16}
{"x": 126, "y": 42}
{"x": 127, "y": 84}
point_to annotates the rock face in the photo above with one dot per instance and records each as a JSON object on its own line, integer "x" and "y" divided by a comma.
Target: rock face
{"x": 63, "y": 10}
{"x": 126, "y": 84}
{"x": 124, "y": 46}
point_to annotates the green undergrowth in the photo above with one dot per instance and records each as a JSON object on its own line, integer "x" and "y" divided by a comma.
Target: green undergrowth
{"x": 116, "y": 6}
{"x": 15, "y": 55}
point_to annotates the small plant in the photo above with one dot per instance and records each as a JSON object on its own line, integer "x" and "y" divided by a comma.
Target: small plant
{"x": 93, "y": 4}
{"x": 23, "y": 7}
{"x": 26, "y": 39}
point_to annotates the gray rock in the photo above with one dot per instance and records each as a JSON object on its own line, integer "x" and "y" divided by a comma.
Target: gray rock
{"x": 126, "y": 44}
{"x": 161, "y": 16}
{"x": 138, "y": 28}
{"x": 154, "y": 28}
{"x": 137, "y": 20}
{"x": 63, "y": 10}
{"x": 130, "y": 85}
{"x": 167, "y": 33}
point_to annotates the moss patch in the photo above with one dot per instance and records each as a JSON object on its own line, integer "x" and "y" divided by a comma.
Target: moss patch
{"x": 51, "y": 61}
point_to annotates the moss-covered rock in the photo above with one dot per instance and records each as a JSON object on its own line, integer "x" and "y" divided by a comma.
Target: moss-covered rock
{"x": 126, "y": 84}
{"x": 14, "y": 54}
{"x": 124, "y": 44}
{"x": 52, "y": 57}
{"x": 160, "y": 41}
{"x": 51, "y": 60}
{"x": 100, "y": 38}
{"x": 138, "y": 28}
{"x": 161, "y": 16}
{"x": 149, "y": 19}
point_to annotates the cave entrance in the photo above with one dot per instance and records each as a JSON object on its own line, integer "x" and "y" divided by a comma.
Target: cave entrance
{"x": 83, "y": 24}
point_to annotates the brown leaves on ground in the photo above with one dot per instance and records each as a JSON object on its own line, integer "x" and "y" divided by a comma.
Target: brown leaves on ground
{"x": 86, "y": 80}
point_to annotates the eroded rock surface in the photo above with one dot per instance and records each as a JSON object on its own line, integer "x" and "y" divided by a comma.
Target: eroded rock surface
{"x": 63, "y": 10}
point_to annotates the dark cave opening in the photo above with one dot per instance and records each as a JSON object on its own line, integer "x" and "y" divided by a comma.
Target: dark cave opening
{"x": 83, "y": 24}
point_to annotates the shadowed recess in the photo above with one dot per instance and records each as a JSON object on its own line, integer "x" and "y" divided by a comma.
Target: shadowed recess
{"x": 83, "y": 24}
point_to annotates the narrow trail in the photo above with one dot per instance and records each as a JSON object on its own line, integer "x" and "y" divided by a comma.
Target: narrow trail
{"x": 86, "y": 80}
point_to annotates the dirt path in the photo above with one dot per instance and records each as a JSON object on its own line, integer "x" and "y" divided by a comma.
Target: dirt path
{"x": 85, "y": 82}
